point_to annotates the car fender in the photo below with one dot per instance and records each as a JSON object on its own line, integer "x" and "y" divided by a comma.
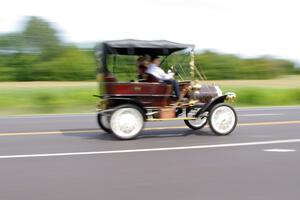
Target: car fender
{"x": 118, "y": 101}
{"x": 211, "y": 104}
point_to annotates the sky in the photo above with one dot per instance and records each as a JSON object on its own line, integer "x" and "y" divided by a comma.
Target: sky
{"x": 247, "y": 28}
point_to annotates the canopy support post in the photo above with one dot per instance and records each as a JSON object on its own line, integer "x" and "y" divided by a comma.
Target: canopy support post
{"x": 192, "y": 65}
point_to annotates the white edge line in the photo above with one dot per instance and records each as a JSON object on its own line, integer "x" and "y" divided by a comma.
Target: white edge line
{"x": 152, "y": 149}
{"x": 280, "y": 150}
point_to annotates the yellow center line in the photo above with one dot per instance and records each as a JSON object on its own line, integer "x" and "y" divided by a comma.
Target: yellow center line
{"x": 270, "y": 123}
{"x": 147, "y": 129}
{"x": 240, "y": 124}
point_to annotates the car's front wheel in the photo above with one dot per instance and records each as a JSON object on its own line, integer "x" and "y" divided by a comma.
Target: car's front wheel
{"x": 126, "y": 122}
{"x": 222, "y": 119}
{"x": 198, "y": 123}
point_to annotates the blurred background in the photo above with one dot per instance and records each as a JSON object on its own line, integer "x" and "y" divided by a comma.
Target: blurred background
{"x": 47, "y": 62}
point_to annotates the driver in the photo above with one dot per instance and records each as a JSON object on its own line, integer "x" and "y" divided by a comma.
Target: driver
{"x": 155, "y": 70}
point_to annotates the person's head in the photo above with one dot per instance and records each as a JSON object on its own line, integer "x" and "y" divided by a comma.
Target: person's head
{"x": 144, "y": 60}
{"x": 155, "y": 60}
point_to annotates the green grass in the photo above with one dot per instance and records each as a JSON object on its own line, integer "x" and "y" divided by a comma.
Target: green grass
{"x": 264, "y": 96}
{"x": 77, "y": 98}
{"x": 47, "y": 100}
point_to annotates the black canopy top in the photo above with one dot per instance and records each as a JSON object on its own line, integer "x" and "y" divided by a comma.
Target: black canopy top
{"x": 141, "y": 47}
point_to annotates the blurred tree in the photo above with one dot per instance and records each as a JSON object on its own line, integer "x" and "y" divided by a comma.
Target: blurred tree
{"x": 39, "y": 34}
{"x": 11, "y": 40}
{"x": 38, "y": 54}
{"x": 73, "y": 65}
{"x": 226, "y": 66}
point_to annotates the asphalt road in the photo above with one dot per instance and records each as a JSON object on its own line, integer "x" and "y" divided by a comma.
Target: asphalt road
{"x": 68, "y": 157}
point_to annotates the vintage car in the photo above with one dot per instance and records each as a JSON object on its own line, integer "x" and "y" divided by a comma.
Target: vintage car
{"x": 125, "y": 106}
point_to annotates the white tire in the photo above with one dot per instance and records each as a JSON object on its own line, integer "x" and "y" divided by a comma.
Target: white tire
{"x": 222, "y": 119}
{"x": 126, "y": 122}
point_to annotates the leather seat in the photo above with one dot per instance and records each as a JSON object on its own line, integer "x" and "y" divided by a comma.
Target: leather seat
{"x": 151, "y": 78}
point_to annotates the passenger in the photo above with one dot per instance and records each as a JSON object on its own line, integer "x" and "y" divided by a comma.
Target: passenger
{"x": 155, "y": 70}
{"x": 142, "y": 64}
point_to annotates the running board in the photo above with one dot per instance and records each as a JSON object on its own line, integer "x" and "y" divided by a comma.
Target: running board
{"x": 171, "y": 119}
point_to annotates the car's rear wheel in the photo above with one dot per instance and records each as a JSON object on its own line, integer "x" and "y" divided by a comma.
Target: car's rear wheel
{"x": 103, "y": 122}
{"x": 222, "y": 119}
{"x": 127, "y": 121}
{"x": 198, "y": 123}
